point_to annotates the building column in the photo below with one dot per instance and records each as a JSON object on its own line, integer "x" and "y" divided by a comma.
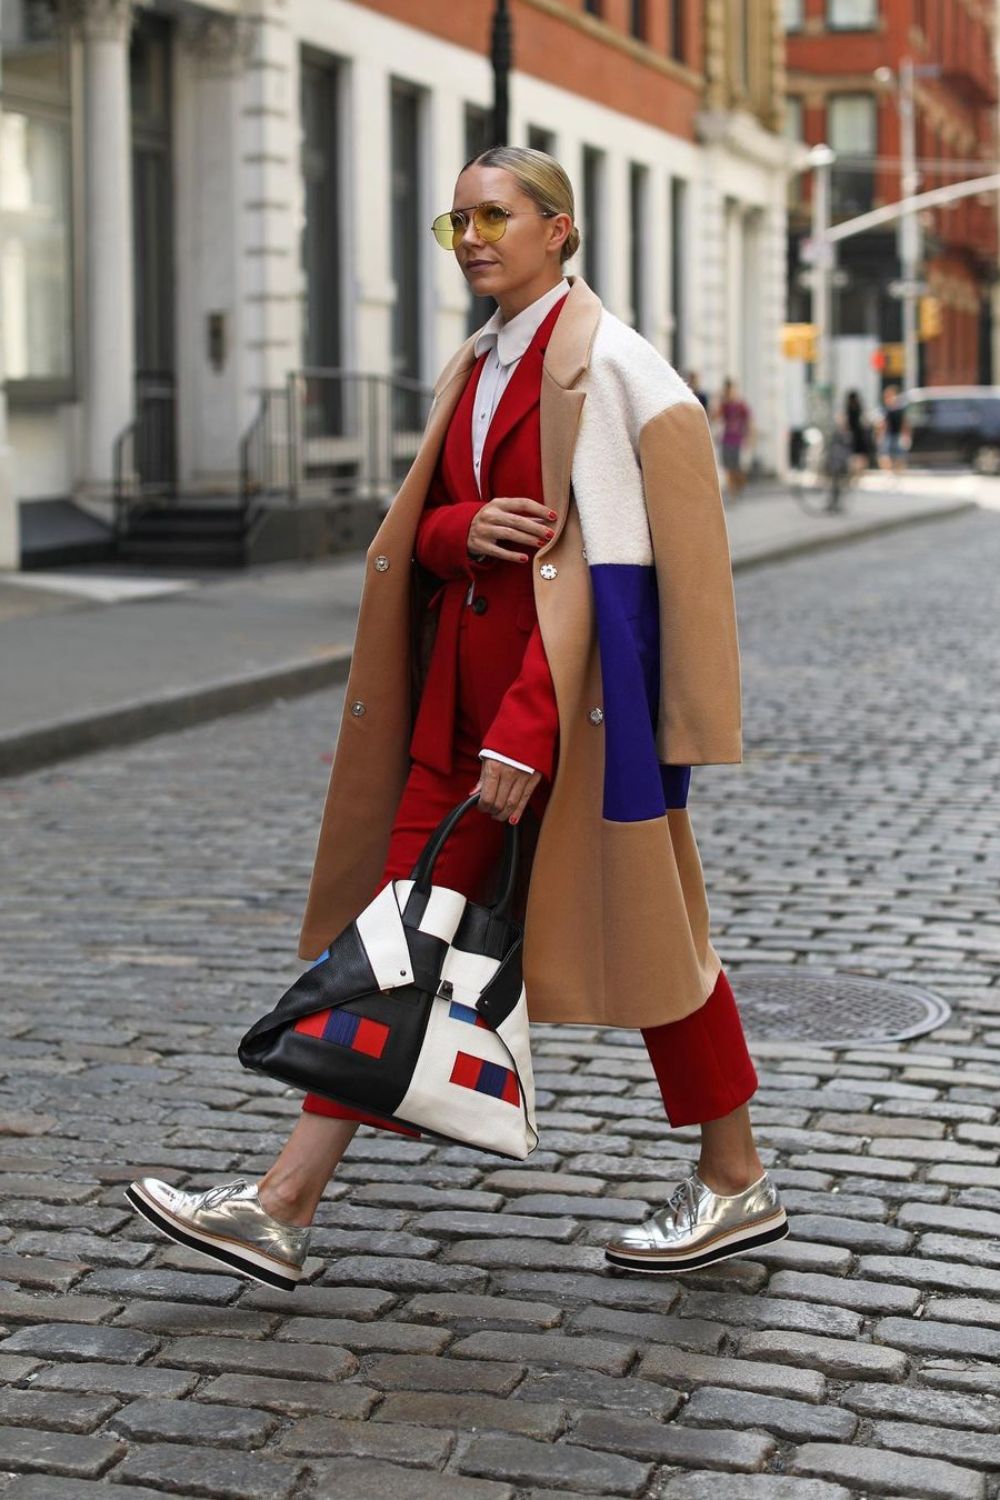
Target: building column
{"x": 369, "y": 139}
{"x": 10, "y": 533}
{"x": 211, "y": 58}
{"x": 268, "y": 280}
{"x": 109, "y": 361}
{"x": 708, "y": 266}
{"x": 773, "y": 426}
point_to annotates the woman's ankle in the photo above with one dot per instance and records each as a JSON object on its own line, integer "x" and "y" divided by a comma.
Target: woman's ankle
{"x": 285, "y": 1206}
{"x": 726, "y": 1178}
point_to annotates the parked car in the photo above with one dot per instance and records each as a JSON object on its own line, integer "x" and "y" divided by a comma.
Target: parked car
{"x": 955, "y": 424}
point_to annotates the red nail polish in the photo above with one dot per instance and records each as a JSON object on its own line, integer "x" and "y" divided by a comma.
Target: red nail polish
{"x": 552, "y": 515}
{"x": 549, "y": 533}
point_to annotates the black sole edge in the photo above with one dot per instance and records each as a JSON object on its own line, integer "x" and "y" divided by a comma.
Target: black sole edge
{"x": 256, "y": 1273}
{"x": 709, "y": 1258}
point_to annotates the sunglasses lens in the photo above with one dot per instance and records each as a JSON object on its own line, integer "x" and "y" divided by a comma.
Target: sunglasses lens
{"x": 448, "y": 230}
{"x": 491, "y": 221}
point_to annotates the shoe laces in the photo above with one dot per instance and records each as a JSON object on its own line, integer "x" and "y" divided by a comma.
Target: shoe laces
{"x": 222, "y": 1191}
{"x": 685, "y": 1195}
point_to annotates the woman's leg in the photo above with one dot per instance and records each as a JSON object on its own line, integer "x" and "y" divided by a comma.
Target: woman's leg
{"x": 706, "y": 1076}
{"x": 292, "y": 1187}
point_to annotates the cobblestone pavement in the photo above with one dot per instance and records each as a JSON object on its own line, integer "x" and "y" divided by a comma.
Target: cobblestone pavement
{"x": 459, "y": 1338}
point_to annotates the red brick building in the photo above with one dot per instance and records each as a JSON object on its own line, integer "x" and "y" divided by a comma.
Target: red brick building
{"x": 834, "y": 48}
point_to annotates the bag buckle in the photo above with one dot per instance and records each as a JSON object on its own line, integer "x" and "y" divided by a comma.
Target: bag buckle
{"x": 446, "y": 990}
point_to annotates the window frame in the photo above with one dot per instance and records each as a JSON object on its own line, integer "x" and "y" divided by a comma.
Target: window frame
{"x": 62, "y": 111}
{"x": 841, "y": 26}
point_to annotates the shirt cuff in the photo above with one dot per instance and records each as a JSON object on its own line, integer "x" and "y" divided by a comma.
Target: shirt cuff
{"x": 517, "y": 764}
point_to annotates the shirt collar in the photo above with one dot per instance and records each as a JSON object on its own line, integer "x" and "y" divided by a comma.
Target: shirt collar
{"x": 512, "y": 338}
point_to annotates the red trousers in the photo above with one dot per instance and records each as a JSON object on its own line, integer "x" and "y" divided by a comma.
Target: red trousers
{"x": 701, "y": 1062}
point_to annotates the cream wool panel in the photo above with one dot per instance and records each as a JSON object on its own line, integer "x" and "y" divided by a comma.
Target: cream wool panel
{"x": 628, "y": 382}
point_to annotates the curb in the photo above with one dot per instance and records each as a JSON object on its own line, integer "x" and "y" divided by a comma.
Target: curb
{"x": 796, "y": 548}
{"x": 64, "y": 739}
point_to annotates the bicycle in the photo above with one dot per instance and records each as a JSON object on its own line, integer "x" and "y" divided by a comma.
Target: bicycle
{"x": 824, "y": 475}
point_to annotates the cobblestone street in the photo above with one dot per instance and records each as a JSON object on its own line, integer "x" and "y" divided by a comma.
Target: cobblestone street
{"x": 458, "y": 1337}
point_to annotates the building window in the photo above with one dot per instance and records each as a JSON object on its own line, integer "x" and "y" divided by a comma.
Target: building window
{"x": 405, "y": 217}
{"x": 540, "y": 139}
{"x": 852, "y": 131}
{"x": 593, "y": 7}
{"x": 678, "y": 31}
{"x": 639, "y": 19}
{"x": 321, "y": 224}
{"x": 744, "y": 48}
{"x": 793, "y": 14}
{"x": 36, "y": 240}
{"x": 478, "y": 123}
{"x": 851, "y": 15}
{"x": 678, "y": 281}
{"x": 793, "y": 131}
{"x": 638, "y": 218}
{"x": 593, "y": 216}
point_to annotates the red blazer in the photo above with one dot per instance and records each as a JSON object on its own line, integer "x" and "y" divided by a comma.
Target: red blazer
{"x": 488, "y": 649}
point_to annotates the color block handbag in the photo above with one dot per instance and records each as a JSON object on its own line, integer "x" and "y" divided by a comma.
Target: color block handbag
{"x": 416, "y": 1013}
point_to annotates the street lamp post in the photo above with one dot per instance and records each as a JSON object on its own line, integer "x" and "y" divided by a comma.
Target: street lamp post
{"x": 821, "y": 159}
{"x": 910, "y": 252}
{"x": 500, "y": 56}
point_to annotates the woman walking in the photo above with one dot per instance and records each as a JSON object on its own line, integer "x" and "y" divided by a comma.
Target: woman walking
{"x": 548, "y": 619}
{"x": 736, "y": 423}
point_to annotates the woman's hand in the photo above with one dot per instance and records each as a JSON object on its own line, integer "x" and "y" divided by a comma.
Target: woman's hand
{"x": 504, "y": 791}
{"x": 515, "y": 519}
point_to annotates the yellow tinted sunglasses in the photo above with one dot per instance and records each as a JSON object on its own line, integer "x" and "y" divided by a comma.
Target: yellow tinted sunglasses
{"x": 490, "y": 220}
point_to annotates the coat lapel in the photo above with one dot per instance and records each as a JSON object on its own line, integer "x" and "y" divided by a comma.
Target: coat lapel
{"x": 566, "y": 358}
{"x": 519, "y": 398}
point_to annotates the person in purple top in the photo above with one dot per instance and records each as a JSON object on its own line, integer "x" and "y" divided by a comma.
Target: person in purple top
{"x": 736, "y": 420}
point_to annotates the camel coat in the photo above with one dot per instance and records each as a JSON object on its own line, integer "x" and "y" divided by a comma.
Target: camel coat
{"x": 635, "y": 587}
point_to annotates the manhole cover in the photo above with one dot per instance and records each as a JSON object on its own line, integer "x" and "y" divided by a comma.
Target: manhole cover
{"x": 833, "y": 1010}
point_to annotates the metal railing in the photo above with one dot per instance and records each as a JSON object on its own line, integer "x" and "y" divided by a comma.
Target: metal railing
{"x": 266, "y": 451}
{"x": 144, "y": 457}
{"x": 333, "y": 433}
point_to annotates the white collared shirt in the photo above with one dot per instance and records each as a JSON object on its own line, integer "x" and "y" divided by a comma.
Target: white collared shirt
{"x": 506, "y": 343}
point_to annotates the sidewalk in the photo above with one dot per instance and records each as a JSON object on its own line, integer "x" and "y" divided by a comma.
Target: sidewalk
{"x": 97, "y": 658}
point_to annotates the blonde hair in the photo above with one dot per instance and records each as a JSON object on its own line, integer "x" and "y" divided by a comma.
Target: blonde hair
{"x": 542, "y": 178}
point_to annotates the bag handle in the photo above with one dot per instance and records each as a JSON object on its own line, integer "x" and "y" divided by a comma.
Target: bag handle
{"x": 423, "y": 871}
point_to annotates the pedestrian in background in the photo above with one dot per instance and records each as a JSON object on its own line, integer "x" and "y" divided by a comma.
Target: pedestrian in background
{"x": 860, "y": 433}
{"x": 697, "y": 388}
{"x": 548, "y": 619}
{"x": 892, "y": 430}
{"x": 736, "y": 425}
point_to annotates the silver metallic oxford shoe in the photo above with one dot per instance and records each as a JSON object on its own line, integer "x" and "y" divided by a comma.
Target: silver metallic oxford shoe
{"x": 697, "y": 1227}
{"x": 229, "y": 1223}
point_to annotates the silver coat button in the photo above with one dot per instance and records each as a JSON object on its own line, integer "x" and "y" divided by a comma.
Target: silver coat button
{"x": 381, "y": 563}
{"x": 549, "y": 570}
{"x": 596, "y": 716}
{"x": 357, "y": 709}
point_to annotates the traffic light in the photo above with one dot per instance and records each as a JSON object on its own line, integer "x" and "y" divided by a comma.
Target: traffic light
{"x": 798, "y": 341}
{"x": 930, "y": 317}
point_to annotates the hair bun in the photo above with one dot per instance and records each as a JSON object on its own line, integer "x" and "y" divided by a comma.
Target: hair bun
{"x": 571, "y": 244}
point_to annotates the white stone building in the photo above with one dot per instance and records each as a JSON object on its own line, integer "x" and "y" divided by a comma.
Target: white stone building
{"x": 197, "y": 199}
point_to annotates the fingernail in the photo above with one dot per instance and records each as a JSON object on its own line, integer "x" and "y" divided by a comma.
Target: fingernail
{"x": 548, "y": 532}
{"x": 514, "y": 820}
{"x": 552, "y": 515}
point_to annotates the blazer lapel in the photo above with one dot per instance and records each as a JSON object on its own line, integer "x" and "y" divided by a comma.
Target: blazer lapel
{"x": 519, "y": 397}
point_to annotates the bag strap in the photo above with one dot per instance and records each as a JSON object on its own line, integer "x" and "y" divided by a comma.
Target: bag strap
{"x": 423, "y": 871}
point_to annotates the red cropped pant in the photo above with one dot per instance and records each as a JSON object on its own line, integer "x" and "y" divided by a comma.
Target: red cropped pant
{"x": 701, "y": 1062}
